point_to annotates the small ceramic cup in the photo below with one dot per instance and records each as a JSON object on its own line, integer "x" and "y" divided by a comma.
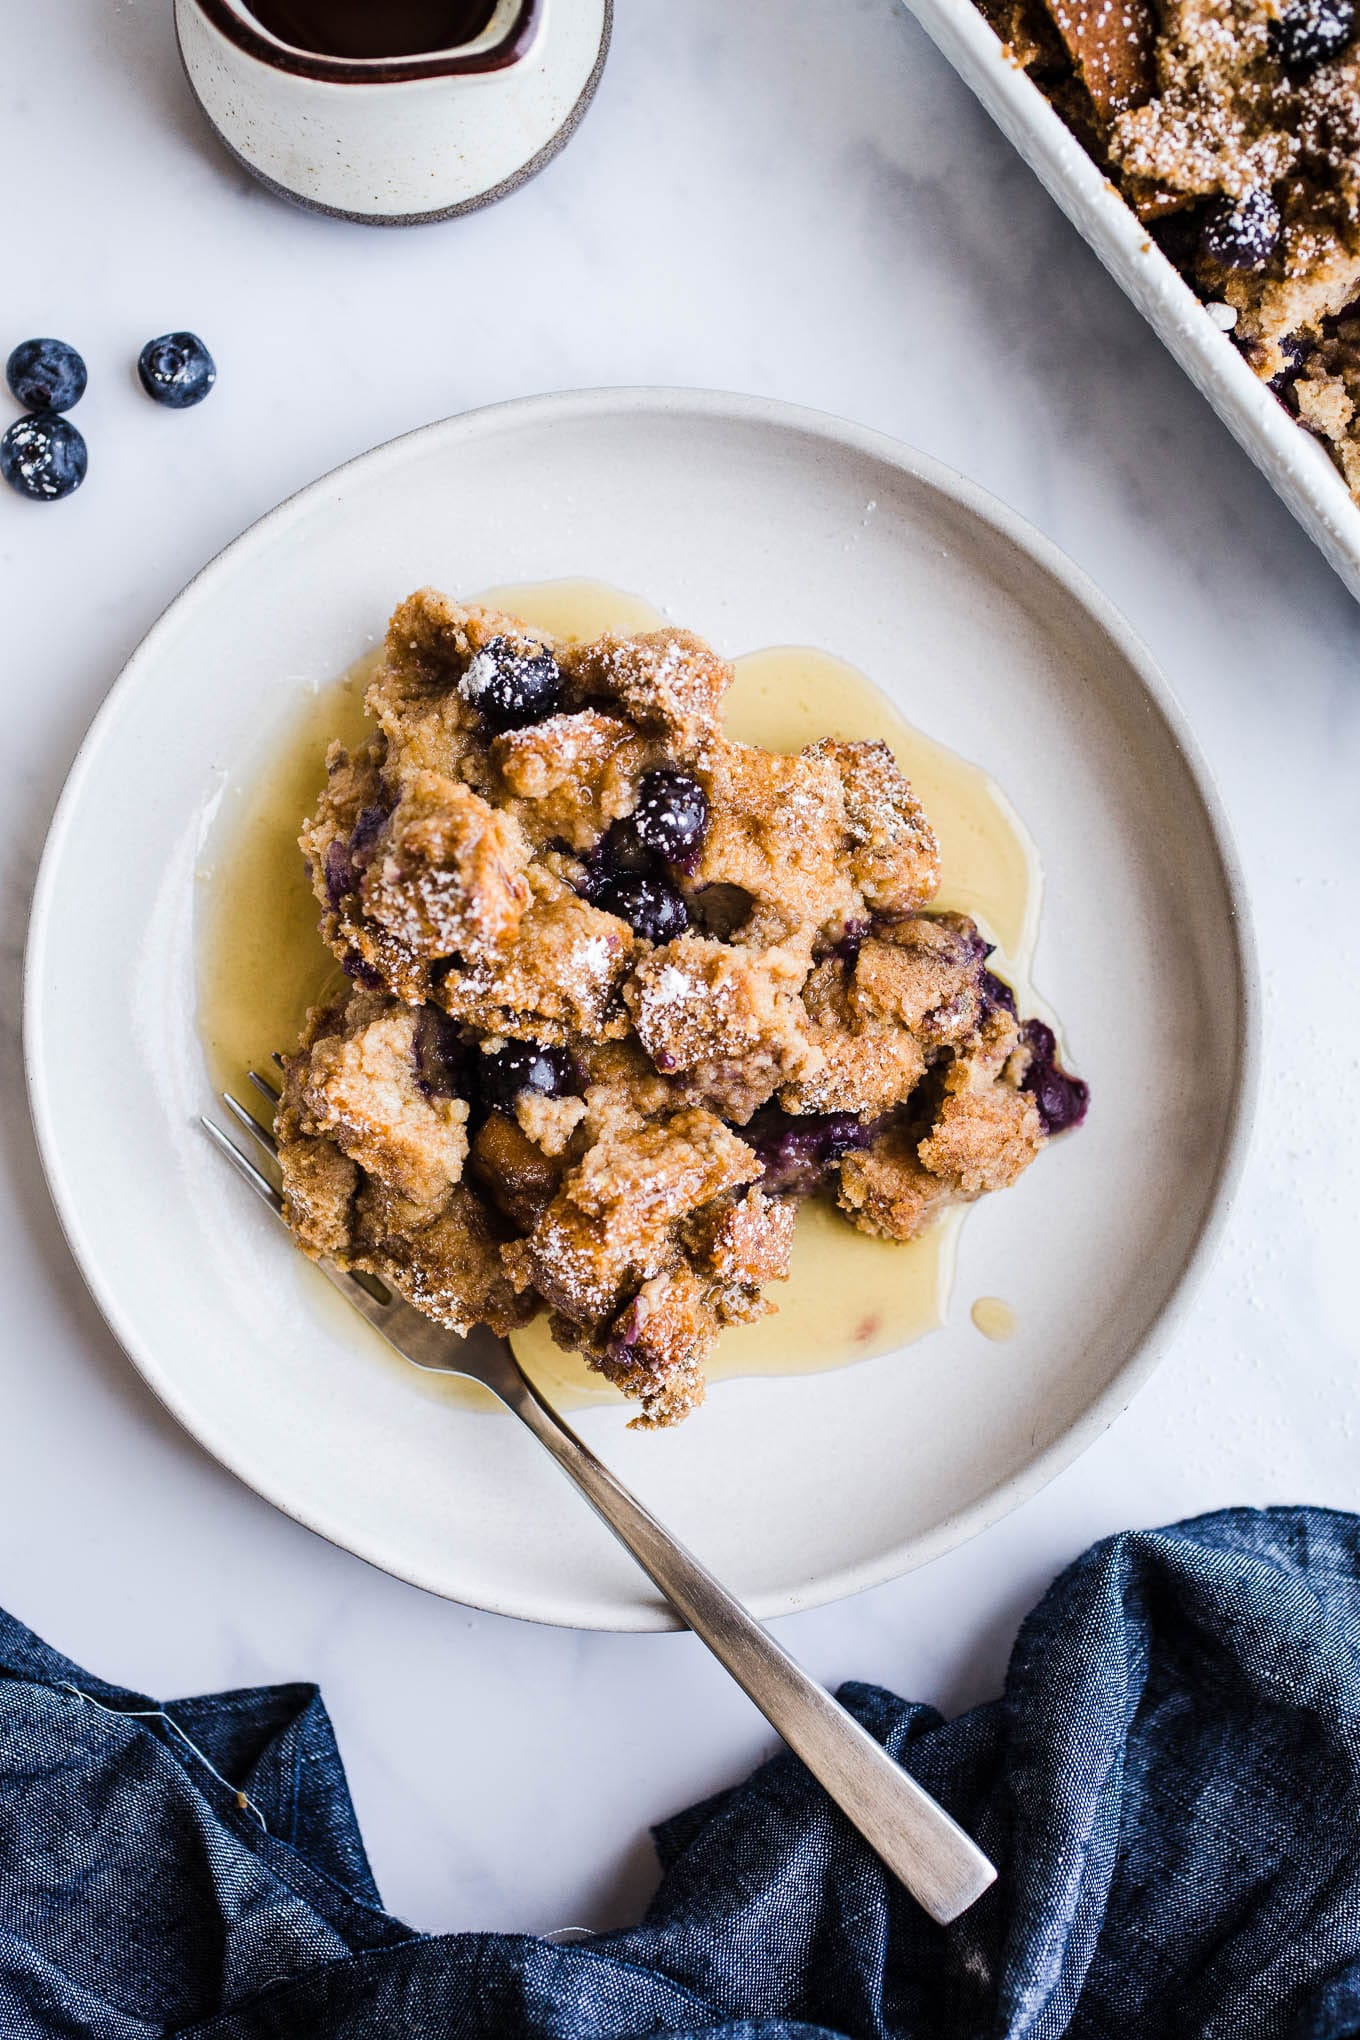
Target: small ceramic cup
{"x": 397, "y": 140}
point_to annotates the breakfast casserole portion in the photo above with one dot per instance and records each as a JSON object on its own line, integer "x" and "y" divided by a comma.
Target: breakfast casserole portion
{"x": 622, "y": 993}
{"x": 1232, "y": 128}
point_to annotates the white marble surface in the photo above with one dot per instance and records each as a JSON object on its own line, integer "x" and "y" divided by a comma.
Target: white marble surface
{"x": 784, "y": 197}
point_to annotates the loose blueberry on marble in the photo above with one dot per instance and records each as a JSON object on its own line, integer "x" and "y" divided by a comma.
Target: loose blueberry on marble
{"x": 1241, "y": 233}
{"x": 797, "y": 1151}
{"x": 524, "y": 1066}
{"x": 46, "y": 375}
{"x": 176, "y": 370}
{"x": 671, "y": 815}
{"x": 1062, "y": 1099}
{"x": 652, "y": 908}
{"x": 1311, "y": 31}
{"x": 510, "y": 689}
{"x": 44, "y": 457}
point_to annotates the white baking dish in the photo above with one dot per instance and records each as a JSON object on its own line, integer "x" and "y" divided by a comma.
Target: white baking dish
{"x": 1289, "y": 457}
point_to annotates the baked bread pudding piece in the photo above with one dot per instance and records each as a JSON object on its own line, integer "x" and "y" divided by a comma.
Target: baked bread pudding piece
{"x": 623, "y": 993}
{"x": 1232, "y": 127}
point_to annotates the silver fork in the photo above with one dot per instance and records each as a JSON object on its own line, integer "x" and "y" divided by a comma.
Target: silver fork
{"x": 910, "y": 1831}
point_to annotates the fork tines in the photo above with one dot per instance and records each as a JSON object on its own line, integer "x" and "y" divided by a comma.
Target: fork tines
{"x": 257, "y": 1131}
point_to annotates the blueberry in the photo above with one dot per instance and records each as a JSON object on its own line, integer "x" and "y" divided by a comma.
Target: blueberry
{"x": 364, "y": 835}
{"x": 524, "y": 1066}
{"x": 851, "y": 941}
{"x": 43, "y": 457}
{"x": 671, "y": 815}
{"x": 666, "y": 827}
{"x": 46, "y": 375}
{"x": 362, "y": 973}
{"x": 176, "y": 370}
{"x": 338, "y": 872}
{"x": 1241, "y": 233}
{"x": 441, "y": 1057}
{"x": 347, "y": 857}
{"x": 620, "y": 852}
{"x": 509, "y": 688}
{"x": 969, "y": 944}
{"x": 651, "y": 907}
{"x": 996, "y": 994}
{"x": 1177, "y": 235}
{"x": 1295, "y": 352}
{"x": 797, "y": 1151}
{"x": 1311, "y": 31}
{"x": 1062, "y": 1099}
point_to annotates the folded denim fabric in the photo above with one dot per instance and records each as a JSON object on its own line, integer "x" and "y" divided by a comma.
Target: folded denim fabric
{"x": 1170, "y": 1786}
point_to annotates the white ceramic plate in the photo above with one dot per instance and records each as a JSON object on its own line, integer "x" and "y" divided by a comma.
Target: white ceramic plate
{"x": 1295, "y": 464}
{"x": 756, "y": 524}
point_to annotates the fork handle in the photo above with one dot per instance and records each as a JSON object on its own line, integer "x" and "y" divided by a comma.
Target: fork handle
{"x": 909, "y": 1830}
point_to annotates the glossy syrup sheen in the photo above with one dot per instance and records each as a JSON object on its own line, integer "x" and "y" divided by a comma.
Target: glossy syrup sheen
{"x": 262, "y": 962}
{"x": 373, "y": 28}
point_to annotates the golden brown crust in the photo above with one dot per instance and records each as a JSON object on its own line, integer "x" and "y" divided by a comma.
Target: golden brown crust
{"x": 983, "y": 1140}
{"x": 982, "y": 1136}
{"x": 358, "y": 1090}
{"x": 450, "y": 1265}
{"x": 863, "y": 1063}
{"x": 561, "y": 977}
{"x": 778, "y": 831}
{"x": 1327, "y": 395}
{"x": 887, "y": 1190}
{"x": 894, "y": 855}
{"x": 725, "y": 1020}
{"x": 446, "y": 874}
{"x": 922, "y": 976}
{"x": 746, "y": 1242}
{"x": 658, "y": 1354}
{"x": 319, "y": 1184}
{"x": 570, "y": 776}
{"x": 668, "y": 682}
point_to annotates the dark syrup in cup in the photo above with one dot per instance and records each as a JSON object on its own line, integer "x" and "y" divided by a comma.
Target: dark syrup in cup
{"x": 373, "y": 28}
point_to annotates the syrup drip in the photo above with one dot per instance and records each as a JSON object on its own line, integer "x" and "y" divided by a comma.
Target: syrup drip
{"x": 994, "y": 1318}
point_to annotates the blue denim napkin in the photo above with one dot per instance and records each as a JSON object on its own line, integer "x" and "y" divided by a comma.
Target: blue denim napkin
{"x": 1170, "y": 1785}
